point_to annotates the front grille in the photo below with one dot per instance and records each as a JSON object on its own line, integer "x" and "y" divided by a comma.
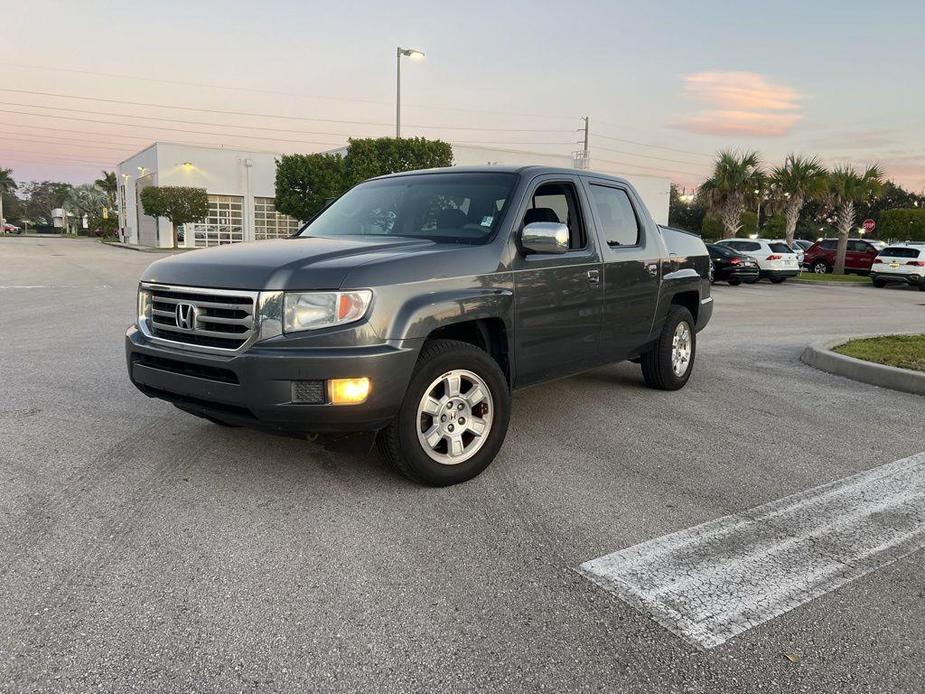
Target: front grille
{"x": 203, "y": 317}
{"x": 309, "y": 392}
{"x": 211, "y": 373}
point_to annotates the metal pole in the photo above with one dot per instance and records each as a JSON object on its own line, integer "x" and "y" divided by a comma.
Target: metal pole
{"x": 398, "y": 92}
{"x": 587, "y": 151}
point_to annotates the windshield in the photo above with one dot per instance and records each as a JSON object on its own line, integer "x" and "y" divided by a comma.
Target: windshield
{"x": 446, "y": 207}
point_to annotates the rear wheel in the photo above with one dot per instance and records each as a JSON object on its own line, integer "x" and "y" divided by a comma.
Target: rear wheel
{"x": 668, "y": 364}
{"x": 879, "y": 284}
{"x": 922, "y": 286}
{"x": 777, "y": 280}
{"x": 820, "y": 267}
{"x": 454, "y": 417}
{"x": 735, "y": 283}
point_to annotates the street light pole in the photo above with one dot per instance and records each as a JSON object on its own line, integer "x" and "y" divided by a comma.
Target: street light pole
{"x": 399, "y": 52}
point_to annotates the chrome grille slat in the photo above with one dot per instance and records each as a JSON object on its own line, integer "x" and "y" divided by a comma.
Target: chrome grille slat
{"x": 224, "y": 319}
{"x": 201, "y": 304}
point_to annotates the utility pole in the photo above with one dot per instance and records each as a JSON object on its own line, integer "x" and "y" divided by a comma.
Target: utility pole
{"x": 398, "y": 93}
{"x": 585, "y": 151}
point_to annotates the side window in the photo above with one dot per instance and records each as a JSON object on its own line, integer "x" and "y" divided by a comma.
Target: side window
{"x": 616, "y": 216}
{"x": 734, "y": 245}
{"x": 829, "y": 245}
{"x": 748, "y": 246}
{"x": 558, "y": 202}
{"x": 858, "y": 246}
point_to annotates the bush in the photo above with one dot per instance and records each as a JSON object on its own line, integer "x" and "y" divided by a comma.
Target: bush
{"x": 304, "y": 182}
{"x": 902, "y": 225}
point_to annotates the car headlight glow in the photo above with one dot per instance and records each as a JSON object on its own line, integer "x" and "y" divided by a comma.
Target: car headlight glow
{"x": 314, "y": 310}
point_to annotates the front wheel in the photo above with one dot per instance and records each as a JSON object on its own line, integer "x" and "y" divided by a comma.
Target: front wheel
{"x": 735, "y": 283}
{"x": 777, "y": 280}
{"x": 668, "y": 364}
{"x": 820, "y": 267}
{"x": 879, "y": 284}
{"x": 454, "y": 417}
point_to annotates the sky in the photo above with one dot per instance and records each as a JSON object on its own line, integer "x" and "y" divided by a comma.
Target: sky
{"x": 664, "y": 84}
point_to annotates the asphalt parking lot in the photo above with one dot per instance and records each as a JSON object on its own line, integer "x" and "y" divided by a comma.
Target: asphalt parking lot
{"x": 142, "y": 549}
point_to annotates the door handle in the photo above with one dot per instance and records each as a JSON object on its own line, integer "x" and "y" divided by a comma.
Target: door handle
{"x": 594, "y": 276}
{"x": 652, "y": 269}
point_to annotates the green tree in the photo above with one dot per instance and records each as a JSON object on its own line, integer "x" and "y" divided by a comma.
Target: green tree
{"x": 305, "y": 181}
{"x": 41, "y": 197}
{"x": 85, "y": 201}
{"x": 180, "y": 204}
{"x": 685, "y": 211}
{"x": 736, "y": 181}
{"x": 846, "y": 188}
{"x": 371, "y": 157}
{"x": 108, "y": 184}
{"x": 798, "y": 180}
{"x": 892, "y": 196}
{"x": 903, "y": 225}
{"x": 7, "y": 187}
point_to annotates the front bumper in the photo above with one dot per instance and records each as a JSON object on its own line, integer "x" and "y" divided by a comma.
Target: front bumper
{"x": 255, "y": 388}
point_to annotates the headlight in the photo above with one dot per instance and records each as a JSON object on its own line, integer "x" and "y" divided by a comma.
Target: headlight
{"x": 144, "y": 305}
{"x": 313, "y": 310}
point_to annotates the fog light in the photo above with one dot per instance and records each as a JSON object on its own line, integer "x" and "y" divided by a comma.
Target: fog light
{"x": 348, "y": 391}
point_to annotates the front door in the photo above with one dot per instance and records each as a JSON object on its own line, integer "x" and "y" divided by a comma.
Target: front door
{"x": 557, "y": 297}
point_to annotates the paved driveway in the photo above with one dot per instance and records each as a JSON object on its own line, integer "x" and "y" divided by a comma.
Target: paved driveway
{"x": 142, "y": 549}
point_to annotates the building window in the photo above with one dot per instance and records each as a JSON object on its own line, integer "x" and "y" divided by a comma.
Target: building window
{"x": 225, "y": 223}
{"x": 270, "y": 224}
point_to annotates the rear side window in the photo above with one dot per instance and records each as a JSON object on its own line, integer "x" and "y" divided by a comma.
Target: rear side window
{"x": 615, "y": 213}
{"x": 900, "y": 252}
{"x": 745, "y": 246}
{"x": 859, "y": 247}
{"x": 780, "y": 247}
{"x": 721, "y": 251}
{"x": 829, "y": 244}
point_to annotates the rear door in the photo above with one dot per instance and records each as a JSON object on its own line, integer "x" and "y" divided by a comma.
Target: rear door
{"x": 557, "y": 297}
{"x": 857, "y": 256}
{"x": 631, "y": 251}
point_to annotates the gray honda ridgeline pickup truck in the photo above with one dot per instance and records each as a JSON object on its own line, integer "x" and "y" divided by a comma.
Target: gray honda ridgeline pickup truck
{"x": 411, "y": 307}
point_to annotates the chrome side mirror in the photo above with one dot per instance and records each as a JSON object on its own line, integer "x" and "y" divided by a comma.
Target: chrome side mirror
{"x": 544, "y": 237}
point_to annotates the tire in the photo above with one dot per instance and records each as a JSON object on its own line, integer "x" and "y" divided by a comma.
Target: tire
{"x": 820, "y": 267}
{"x": 402, "y": 443}
{"x": 735, "y": 283}
{"x": 777, "y": 280}
{"x": 922, "y": 286}
{"x": 751, "y": 281}
{"x": 879, "y": 284}
{"x": 658, "y": 363}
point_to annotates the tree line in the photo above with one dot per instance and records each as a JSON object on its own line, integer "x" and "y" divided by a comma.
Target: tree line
{"x": 31, "y": 203}
{"x": 801, "y": 192}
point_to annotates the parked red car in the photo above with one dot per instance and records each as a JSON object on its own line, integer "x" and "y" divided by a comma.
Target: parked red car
{"x": 820, "y": 257}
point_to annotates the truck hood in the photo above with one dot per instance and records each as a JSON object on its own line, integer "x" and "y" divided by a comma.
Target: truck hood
{"x": 290, "y": 264}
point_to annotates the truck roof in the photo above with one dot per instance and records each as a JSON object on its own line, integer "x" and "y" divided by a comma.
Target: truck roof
{"x": 530, "y": 169}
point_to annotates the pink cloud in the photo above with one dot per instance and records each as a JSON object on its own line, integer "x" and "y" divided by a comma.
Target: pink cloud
{"x": 740, "y": 103}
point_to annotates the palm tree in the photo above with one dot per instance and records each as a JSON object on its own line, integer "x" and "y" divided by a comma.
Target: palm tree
{"x": 793, "y": 184}
{"x": 846, "y": 186}
{"x": 7, "y": 186}
{"x": 736, "y": 180}
{"x": 108, "y": 185}
{"x": 85, "y": 201}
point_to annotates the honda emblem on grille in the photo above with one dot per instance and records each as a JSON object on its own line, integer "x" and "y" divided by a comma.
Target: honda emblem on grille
{"x": 186, "y": 316}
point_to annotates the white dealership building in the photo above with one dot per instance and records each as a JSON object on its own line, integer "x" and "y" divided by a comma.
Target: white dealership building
{"x": 241, "y": 185}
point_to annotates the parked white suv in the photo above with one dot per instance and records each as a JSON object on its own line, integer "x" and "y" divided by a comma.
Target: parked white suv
{"x": 776, "y": 260}
{"x": 902, "y": 262}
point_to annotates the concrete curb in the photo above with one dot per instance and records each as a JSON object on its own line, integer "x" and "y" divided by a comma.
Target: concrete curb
{"x": 823, "y": 283}
{"x": 142, "y": 249}
{"x": 820, "y": 356}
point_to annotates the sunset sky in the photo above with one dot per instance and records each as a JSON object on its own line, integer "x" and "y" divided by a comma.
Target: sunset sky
{"x": 665, "y": 84}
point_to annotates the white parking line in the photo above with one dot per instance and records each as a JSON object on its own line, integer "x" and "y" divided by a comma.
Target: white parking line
{"x": 710, "y": 582}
